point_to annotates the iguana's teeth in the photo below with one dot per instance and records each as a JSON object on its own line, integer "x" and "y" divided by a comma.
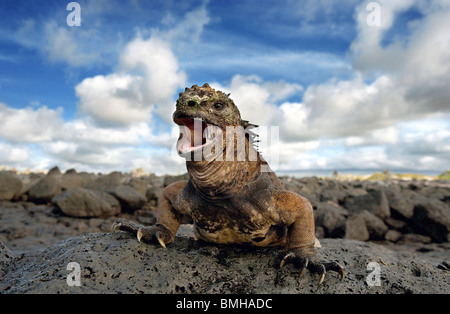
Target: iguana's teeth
{"x": 208, "y": 133}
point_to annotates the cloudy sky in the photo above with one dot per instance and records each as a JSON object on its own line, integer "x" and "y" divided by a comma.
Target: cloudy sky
{"x": 333, "y": 84}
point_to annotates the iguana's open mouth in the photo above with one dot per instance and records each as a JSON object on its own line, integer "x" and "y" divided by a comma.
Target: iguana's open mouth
{"x": 195, "y": 134}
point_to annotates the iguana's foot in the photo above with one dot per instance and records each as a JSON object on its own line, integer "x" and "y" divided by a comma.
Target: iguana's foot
{"x": 146, "y": 234}
{"x": 306, "y": 258}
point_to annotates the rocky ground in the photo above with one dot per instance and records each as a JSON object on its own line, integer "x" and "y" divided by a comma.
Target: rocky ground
{"x": 48, "y": 221}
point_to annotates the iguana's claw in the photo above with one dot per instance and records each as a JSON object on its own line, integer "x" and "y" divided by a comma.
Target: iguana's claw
{"x": 303, "y": 262}
{"x": 160, "y": 239}
{"x": 115, "y": 226}
{"x": 322, "y": 275}
{"x": 139, "y": 234}
{"x": 287, "y": 258}
{"x": 341, "y": 273}
{"x": 303, "y": 266}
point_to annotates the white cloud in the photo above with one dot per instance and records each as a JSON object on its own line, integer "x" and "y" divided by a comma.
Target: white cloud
{"x": 425, "y": 137}
{"x": 350, "y": 108}
{"x": 103, "y": 158}
{"x": 39, "y": 138}
{"x": 419, "y": 145}
{"x": 188, "y": 29}
{"x": 159, "y": 66}
{"x": 13, "y": 154}
{"x": 293, "y": 120}
{"x": 257, "y": 100}
{"x": 377, "y": 137}
{"x": 413, "y": 84}
{"x": 113, "y": 99}
{"x": 62, "y": 44}
{"x": 148, "y": 78}
{"x": 290, "y": 151}
{"x": 155, "y": 59}
{"x": 251, "y": 99}
{"x": 418, "y": 64}
{"x": 29, "y": 125}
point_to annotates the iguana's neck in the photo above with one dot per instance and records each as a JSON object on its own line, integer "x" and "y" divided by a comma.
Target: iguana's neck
{"x": 222, "y": 179}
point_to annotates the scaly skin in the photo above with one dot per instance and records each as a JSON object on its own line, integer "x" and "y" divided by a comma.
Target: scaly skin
{"x": 231, "y": 202}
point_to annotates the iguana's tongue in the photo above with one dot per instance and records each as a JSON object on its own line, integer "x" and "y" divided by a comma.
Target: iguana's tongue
{"x": 191, "y": 136}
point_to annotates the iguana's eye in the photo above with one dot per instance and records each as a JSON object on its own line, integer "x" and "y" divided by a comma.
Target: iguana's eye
{"x": 219, "y": 106}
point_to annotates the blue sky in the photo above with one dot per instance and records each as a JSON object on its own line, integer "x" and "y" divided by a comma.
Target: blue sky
{"x": 344, "y": 94}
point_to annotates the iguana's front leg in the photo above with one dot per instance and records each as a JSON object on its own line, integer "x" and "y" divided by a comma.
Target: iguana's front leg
{"x": 296, "y": 213}
{"x": 167, "y": 222}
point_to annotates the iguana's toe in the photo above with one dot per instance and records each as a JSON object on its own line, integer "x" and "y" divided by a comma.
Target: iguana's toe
{"x": 334, "y": 266}
{"x": 304, "y": 261}
{"x": 148, "y": 234}
{"x": 125, "y": 225}
{"x": 143, "y": 233}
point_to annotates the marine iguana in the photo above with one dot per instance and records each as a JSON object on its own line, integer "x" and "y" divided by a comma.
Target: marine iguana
{"x": 232, "y": 200}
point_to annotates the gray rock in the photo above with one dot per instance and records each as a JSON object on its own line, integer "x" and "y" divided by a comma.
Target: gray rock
{"x": 72, "y": 180}
{"x": 106, "y": 182}
{"x": 415, "y": 238}
{"x": 354, "y": 192}
{"x": 336, "y": 196}
{"x": 332, "y": 218}
{"x": 27, "y": 183}
{"x": 5, "y": 258}
{"x": 45, "y": 189}
{"x": 27, "y": 226}
{"x": 432, "y": 218}
{"x": 10, "y": 186}
{"x": 375, "y": 225}
{"x": 154, "y": 194}
{"x": 130, "y": 199}
{"x": 392, "y": 235}
{"x": 402, "y": 203}
{"x": 54, "y": 171}
{"x": 356, "y": 229}
{"x": 117, "y": 263}
{"x": 437, "y": 192}
{"x": 80, "y": 202}
{"x": 320, "y": 232}
{"x": 140, "y": 185}
{"x": 395, "y": 224}
{"x": 146, "y": 217}
{"x": 374, "y": 201}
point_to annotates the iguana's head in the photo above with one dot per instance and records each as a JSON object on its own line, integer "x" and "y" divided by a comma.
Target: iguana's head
{"x": 200, "y": 112}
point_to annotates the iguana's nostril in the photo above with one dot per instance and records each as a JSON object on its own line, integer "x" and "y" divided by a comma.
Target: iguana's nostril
{"x": 191, "y": 103}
